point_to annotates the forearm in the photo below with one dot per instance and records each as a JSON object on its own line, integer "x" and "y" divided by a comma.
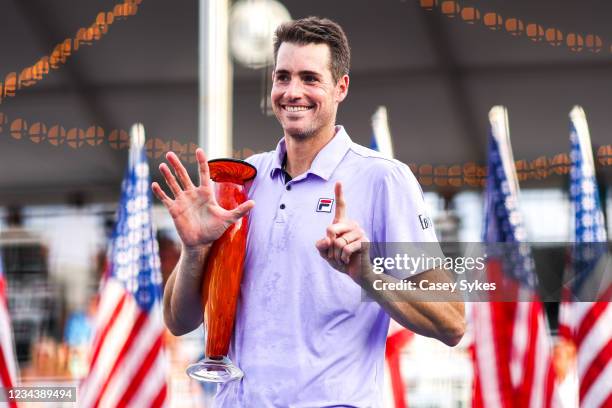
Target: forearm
{"x": 442, "y": 319}
{"x": 183, "y": 309}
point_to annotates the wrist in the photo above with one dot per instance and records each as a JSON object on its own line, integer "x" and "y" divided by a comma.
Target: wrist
{"x": 365, "y": 276}
{"x": 195, "y": 251}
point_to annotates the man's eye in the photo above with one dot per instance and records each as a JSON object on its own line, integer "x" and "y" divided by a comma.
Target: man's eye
{"x": 310, "y": 78}
{"x": 282, "y": 77}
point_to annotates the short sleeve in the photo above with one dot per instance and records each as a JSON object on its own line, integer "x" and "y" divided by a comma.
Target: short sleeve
{"x": 401, "y": 222}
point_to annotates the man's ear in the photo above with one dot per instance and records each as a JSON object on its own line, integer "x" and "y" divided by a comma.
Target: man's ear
{"x": 342, "y": 88}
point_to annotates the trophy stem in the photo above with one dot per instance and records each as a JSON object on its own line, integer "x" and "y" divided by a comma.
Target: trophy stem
{"x": 214, "y": 370}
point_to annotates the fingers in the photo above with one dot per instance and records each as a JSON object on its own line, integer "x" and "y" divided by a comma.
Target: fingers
{"x": 339, "y": 244}
{"x": 349, "y": 250}
{"x": 334, "y": 230}
{"x": 322, "y": 246}
{"x": 160, "y": 194}
{"x": 340, "y": 213}
{"x": 180, "y": 170}
{"x": 338, "y": 251}
{"x": 330, "y": 249}
{"x": 170, "y": 180}
{"x": 182, "y": 174}
{"x": 203, "y": 169}
{"x": 344, "y": 245}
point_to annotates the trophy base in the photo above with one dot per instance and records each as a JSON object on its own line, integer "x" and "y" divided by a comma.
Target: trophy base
{"x": 216, "y": 371}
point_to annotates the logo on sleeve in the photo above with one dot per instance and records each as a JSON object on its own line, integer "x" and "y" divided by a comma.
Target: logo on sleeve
{"x": 425, "y": 221}
{"x": 325, "y": 205}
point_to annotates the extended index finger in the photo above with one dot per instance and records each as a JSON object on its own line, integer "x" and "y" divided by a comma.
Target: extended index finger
{"x": 340, "y": 204}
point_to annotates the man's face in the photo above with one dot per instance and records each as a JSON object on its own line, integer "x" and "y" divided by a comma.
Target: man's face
{"x": 305, "y": 97}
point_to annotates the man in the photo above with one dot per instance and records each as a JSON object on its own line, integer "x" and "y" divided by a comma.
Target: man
{"x": 304, "y": 335}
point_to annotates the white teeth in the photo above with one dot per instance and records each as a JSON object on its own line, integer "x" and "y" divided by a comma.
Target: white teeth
{"x": 296, "y": 108}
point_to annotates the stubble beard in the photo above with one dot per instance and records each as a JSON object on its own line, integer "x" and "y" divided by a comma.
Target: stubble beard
{"x": 305, "y": 134}
{"x": 302, "y": 135}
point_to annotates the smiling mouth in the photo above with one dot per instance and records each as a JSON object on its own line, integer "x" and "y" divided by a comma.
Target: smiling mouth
{"x": 292, "y": 109}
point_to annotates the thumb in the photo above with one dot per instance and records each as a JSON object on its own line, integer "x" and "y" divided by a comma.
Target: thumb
{"x": 242, "y": 210}
{"x": 323, "y": 244}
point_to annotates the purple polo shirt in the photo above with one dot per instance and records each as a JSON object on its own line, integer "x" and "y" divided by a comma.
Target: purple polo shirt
{"x": 303, "y": 336}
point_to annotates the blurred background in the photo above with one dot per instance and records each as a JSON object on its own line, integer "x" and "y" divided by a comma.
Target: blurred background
{"x": 76, "y": 75}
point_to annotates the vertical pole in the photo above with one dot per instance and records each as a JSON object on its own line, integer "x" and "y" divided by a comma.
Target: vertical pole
{"x": 214, "y": 78}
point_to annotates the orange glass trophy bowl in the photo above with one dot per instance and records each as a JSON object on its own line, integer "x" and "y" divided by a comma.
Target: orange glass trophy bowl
{"x": 222, "y": 274}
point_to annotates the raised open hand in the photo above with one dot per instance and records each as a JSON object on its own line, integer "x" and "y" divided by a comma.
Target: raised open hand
{"x": 198, "y": 218}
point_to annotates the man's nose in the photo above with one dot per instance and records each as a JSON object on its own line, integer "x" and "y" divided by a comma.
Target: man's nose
{"x": 294, "y": 89}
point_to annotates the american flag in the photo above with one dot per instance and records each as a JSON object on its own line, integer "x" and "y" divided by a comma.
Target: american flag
{"x": 511, "y": 347}
{"x": 8, "y": 367}
{"x": 128, "y": 365}
{"x": 588, "y": 324}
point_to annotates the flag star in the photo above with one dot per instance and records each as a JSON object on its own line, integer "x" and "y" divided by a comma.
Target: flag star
{"x": 588, "y": 186}
{"x": 587, "y": 220}
{"x": 588, "y": 236}
{"x": 515, "y": 218}
{"x": 588, "y": 203}
{"x": 574, "y": 155}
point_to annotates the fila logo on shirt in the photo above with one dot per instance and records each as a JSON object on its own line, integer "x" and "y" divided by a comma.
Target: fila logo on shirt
{"x": 325, "y": 205}
{"x": 425, "y": 221}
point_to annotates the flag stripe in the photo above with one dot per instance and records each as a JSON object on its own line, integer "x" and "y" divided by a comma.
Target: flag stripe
{"x": 106, "y": 329}
{"x": 521, "y": 338}
{"x": 6, "y": 344}
{"x": 542, "y": 358}
{"x": 596, "y": 368}
{"x": 531, "y": 395}
{"x": 117, "y": 335}
{"x": 608, "y": 401}
{"x": 487, "y": 357}
{"x": 149, "y": 388}
{"x": 599, "y": 394}
{"x": 160, "y": 399}
{"x": 589, "y": 321}
{"x": 139, "y": 377}
{"x": 8, "y": 364}
{"x": 140, "y": 319}
{"x": 133, "y": 360}
{"x": 594, "y": 342}
{"x": 5, "y": 378}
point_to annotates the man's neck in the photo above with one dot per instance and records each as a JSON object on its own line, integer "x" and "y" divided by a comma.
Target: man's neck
{"x": 301, "y": 153}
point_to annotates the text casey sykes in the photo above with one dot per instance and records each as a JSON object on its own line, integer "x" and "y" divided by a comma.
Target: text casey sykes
{"x": 425, "y": 285}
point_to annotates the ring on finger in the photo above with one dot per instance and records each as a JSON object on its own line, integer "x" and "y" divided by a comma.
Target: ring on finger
{"x": 345, "y": 240}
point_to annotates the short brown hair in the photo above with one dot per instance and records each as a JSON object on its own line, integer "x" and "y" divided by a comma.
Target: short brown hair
{"x": 318, "y": 31}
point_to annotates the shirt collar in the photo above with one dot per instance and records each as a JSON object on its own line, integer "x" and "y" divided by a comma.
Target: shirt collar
{"x": 326, "y": 160}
